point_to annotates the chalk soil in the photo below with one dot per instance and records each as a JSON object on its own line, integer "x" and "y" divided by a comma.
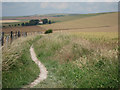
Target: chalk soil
{"x": 43, "y": 71}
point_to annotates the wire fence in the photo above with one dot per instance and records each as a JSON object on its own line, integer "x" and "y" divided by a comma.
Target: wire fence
{"x": 7, "y": 38}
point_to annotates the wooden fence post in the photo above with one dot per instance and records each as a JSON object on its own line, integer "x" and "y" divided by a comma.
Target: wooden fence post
{"x": 11, "y": 35}
{"x": 2, "y": 38}
{"x": 18, "y": 33}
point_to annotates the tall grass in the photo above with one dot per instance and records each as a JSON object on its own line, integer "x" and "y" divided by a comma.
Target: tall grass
{"x": 79, "y": 60}
{"x": 18, "y": 69}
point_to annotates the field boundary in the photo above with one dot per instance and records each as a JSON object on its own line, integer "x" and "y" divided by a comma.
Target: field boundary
{"x": 82, "y": 28}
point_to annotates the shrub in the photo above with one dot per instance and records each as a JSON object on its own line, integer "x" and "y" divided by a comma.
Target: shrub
{"x": 23, "y": 24}
{"x": 45, "y": 21}
{"x": 27, "y": 24}
{"x": 50, "y": 22}
{"x": 34, "y": 22}
{"x": 48, "y": 31}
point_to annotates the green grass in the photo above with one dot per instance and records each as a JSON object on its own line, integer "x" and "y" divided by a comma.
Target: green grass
{"x": 18, "y": 69}
{"x": 74, "y": 62}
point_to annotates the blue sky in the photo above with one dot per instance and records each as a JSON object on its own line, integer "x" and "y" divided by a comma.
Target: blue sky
{"x": 31, "y": 8}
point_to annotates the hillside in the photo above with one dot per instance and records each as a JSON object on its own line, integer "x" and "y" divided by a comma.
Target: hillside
{"x": 69, "y": 17}
{"x": 108, "y": 23}
{"x": 23, "y": 29}
{"x": 82, "y": 53}
{"x": 79, "y": 59}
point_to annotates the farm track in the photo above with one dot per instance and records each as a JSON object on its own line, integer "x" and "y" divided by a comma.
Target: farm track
{"x": 43, "y": 72}
{"x": 81, "y": 28}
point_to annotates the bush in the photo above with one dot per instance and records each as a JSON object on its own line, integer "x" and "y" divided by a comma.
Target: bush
{"x": 50, "y": 22}
{"x": 34, "y": 22}
{"x": 23, "y": 24}
{"x": 48, "y": 31}
{"x": 26, "y": 24}
{"x": 45, "y": 21}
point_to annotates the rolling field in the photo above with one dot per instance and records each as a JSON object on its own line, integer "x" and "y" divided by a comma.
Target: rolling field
{"x": 53, "y": 17}
{"x": 23, "y": 29}
{"x": 80, "y": 53}
{"x": 106, "y": 22}
{"x": 79, "y": 60}
{"x": 8, "y": 21}
{"x": 101, "y": 23}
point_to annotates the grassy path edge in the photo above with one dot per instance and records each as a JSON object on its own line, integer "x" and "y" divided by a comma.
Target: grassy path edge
{"x": 43, "y": 71}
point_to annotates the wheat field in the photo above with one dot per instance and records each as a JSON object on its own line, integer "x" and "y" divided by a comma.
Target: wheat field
{"x": 101, "y": 23}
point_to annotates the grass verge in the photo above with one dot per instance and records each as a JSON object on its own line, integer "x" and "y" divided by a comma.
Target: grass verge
{"x": 18, "y": 69}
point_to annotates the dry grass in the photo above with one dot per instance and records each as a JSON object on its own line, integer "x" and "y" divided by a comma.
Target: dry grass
{"x": 23, "y": 29}
{"x": 10, "y": 54}
{"x": 17, "y": 67}
{"x": 103, "y": 43}
{"x": 79, "y": 59}
{"x": 101, "y": 23}
{"x": 8, "y": 21}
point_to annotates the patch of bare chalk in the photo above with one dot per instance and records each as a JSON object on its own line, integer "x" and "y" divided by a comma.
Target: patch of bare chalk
{"x": 43, "y": 71}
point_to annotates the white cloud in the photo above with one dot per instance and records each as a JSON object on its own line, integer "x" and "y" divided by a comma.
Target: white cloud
{"x": 43, "y": 5}
{"x": 61, "y": 5}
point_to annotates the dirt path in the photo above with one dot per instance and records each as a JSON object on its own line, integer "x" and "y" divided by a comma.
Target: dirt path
{"x": 43, "y": 71}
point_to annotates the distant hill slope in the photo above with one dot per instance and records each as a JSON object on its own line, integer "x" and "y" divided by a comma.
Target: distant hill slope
{"x": 54, "y": 17}
{"x": 69, "y": 17}
{"x": 103, "y": 22}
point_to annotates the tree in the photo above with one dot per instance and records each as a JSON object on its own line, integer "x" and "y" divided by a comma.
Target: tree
{"x": 34, "y": 22}
{"x": 26, "y": 24}
{"x": 23, "y": 24}
{"x": 45, "y": 21}
{"x": 49, "y": 21}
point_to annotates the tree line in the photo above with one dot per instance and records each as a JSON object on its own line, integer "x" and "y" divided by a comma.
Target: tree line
{"x": 33, "y": 22}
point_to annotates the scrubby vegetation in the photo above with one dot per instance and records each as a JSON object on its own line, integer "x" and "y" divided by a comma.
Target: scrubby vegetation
{"x": 18, "y": 69}
{"x": 48, "y": 31}
{"x": 79, "y": 60}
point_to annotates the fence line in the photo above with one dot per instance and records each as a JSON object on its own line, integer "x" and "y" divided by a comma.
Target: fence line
{"x": 5, "y": 39}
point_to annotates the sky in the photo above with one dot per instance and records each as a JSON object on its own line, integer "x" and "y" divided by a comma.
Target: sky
{"x": 32, "y": 8}
{"x": 60, "y": 0}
